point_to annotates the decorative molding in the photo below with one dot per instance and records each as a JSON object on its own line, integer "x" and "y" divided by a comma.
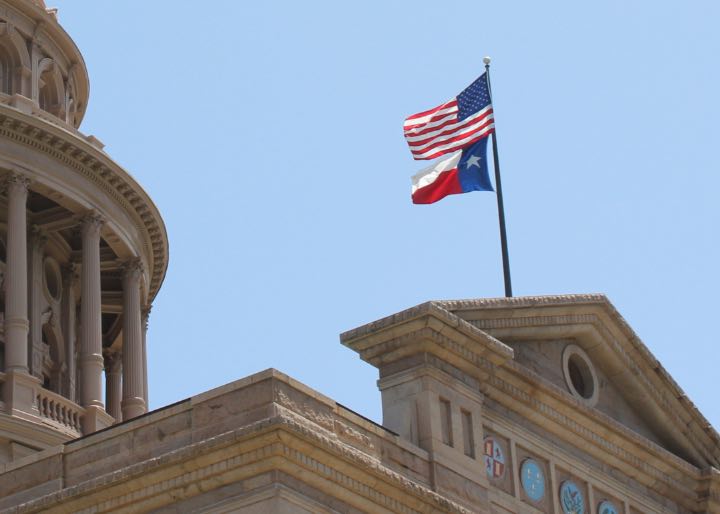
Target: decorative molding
{"x": 531, "y": 401}
{"x": 661, "y": 398}
{"x": 702, "y": 426}
{"x": 145, "y": 317}
{"x": 521, "y": 301}
{"x": 324, "y": 419}
{"x": 97, "y": 167}
{"x": 17, "y": 182}
{"x": 522, "y": 391}
{"x": 286, "y": 422}
{"x": 70, "y": 273}
{"x": 132, "y": 270}
{"x": 91, "y": 224}
{"x": 38, "y": 237}
{"x": 112, "y": 362}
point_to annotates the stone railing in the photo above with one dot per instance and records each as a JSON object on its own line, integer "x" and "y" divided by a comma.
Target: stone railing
{"x": 59, "y": 410}
{"x": 51, "y": 118}
{"x": 28, "y": 106}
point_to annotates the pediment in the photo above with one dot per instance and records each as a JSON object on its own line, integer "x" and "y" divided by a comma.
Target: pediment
{"x": 631, "y": 386}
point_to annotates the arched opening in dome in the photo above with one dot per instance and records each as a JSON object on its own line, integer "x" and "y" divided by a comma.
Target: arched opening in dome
{"x": 14, "y": 62}
{"x": 71, "y": 107}
{"x": 5, "y": 71}
{"x": 50, "y": 88}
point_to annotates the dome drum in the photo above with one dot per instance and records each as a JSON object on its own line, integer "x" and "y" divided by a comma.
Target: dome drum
{"x": 41, "y": 69}
{"x": 83, "y": 250}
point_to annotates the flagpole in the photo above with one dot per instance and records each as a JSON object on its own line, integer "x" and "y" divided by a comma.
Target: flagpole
{"x": 498, "y": 186}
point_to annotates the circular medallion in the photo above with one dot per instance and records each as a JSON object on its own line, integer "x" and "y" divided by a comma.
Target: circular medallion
{"x": 607, "y": 507}
{"x": 571, "y": 499}
{"x": 494, "y": 458}
{"x": 532, "y": 479}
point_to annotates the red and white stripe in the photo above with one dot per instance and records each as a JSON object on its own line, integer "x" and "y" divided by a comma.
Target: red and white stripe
{"x": 438, "y": 132}
{"x": 437, "y": 180}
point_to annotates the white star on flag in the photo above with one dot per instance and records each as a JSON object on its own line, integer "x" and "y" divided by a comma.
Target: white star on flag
{"x": 472, "y": 161}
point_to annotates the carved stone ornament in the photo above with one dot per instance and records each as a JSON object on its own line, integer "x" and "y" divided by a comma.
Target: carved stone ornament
{"x": 38, "y": 237}
{"x": 92, "y": 222}
{"x": 17, "y": 183}
{"x": 69, "y": 273}
{"x": 132, "y": 269}
{"x": 113, "y": 362}
{"x": 145, "y": 317}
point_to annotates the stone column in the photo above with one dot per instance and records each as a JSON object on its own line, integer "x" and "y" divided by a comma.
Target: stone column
{"x": 91, "y": 359}
{"x": 16, "y": 281}
{"x": 35, "y": 55}
{"x": 35, "y": 290}
{"x": 113, "y": 385}
{"x": 133, "y": 403}
{"x": 68, "y": 328}
{"x": 145, "y": 317}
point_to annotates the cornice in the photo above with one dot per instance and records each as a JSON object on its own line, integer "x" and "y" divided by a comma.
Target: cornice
{"x": 118, "y": 488}
{"x": 99, "y": 168}
{"x": 515, "y": 302}
{"x": 654, "y": 379}
{"x": 709, "y": 490}
{"x": 602, "y": 436}
{"x": 520, "y": 390}
{"x": 391, "y": 336}
{"x": 29, "y": 434}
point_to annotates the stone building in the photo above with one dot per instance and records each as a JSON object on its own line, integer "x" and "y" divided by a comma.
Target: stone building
{"x": 527, "y": 405}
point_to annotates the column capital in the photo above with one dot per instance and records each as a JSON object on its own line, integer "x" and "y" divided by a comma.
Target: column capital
{"x": 69, "y": 272}
{"x": 132, "y": 269}
{"x": 38, "y": 237}
{"x": 113, "y": 362}
{"x": 17, "y": 182}
{"x": 91, "y": 223}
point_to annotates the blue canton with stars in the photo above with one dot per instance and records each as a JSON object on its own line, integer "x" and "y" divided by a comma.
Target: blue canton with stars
{"x": 473, "y": 98}
{"x": 473, "y": 168}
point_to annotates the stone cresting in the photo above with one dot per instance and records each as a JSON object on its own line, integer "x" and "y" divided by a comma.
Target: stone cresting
{"x": 95, "y": 165}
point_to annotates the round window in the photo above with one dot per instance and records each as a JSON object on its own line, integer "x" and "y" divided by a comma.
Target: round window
{"x": 580, "y": 374}
{"x": 53, "y": 279}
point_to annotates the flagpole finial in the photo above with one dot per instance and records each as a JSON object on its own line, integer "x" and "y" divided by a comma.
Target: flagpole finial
{"x": 486, "y": 60}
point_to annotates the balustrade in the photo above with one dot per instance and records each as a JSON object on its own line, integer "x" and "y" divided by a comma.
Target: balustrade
{"x": 62, "y": 411}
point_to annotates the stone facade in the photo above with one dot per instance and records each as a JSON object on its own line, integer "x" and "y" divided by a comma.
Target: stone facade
{"x": 553, "y": 387}
{"x": 521, "y": 405}
{"x": 468, "y": 426}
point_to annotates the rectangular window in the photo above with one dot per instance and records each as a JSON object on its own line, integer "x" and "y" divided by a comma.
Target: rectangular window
{"x": 446, "y": 422}
{"x": 468, "y": 440}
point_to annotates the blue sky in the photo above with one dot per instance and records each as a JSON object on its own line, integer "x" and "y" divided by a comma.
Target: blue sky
{"x": 269, "y": 135}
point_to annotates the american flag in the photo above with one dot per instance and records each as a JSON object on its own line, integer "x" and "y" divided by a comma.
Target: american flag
{"x": 453, "y": 125}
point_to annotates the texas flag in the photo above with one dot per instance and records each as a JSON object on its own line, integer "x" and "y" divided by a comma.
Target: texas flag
{"x": 462, "y": 172}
